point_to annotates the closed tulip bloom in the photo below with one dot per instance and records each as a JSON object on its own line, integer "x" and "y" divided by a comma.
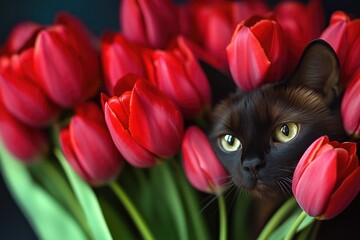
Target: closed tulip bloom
{"x": 22, "y": 95}
{"x": 343, "y": 34}
{"x": 178, "y": 74}
{"x": 350, "y": 106}
{"x": 327, "y": 178}
{"x": 66, "y": 63}
{"x": 144, "y": 124}
{"x": 88, "y": 147}
{"x": 119, "y": 57}
{"x": 149, "y": 23}
{"x": 257, "y": 53}
{"x": 301, "y": 23}
{"x": 24, "y": 142}
{"x": 201, "y": 165}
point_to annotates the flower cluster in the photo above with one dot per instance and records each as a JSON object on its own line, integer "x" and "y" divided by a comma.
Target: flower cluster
{"x": 134, "y": 96}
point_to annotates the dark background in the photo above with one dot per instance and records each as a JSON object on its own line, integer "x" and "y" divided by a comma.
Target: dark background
{"x": 99, "y": 16}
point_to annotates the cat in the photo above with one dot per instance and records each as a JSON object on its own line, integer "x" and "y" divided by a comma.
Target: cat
{"x": 259, "y": 136}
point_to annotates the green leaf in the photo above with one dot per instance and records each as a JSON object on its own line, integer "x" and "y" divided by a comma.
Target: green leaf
{"x": 46, "y": 216}
{"x": 87, "y": 200}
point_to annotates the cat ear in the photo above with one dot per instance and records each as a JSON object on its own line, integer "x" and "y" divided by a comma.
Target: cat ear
{"x": 318, "y": 69}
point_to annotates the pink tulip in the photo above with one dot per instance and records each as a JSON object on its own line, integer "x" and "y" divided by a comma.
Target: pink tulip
{"x": 327, "y": 178}
{"x": 350, "y": 106}
{"x": 301, "y": 23}
{"x": 22, "y": 95}
{"x": 257, "y": 53}
{"x": 66, "y": 63}
{"x": 119, "y": 58}
{"x": 177, "y": 73}
{"x": 24, "y": 142}
{"x": 144, "y": 124}
{"x": 201, "y": 165}
{"x": 343, "y": 34}
{"x": 88, "y": 146}
{"x": 149, "y": 23}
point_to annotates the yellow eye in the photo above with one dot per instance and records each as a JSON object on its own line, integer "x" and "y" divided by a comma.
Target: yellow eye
{"x": 229, "y": 143}
{"x": 286, "y": 132}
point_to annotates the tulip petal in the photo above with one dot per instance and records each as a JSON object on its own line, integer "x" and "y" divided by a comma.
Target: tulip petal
{"x": 247, "y": 59}
{"x": 155, "y": 122}
{"x": 313, "y": 199}
{"x": 131, "y": 151}
{"x": 343, "y": 195}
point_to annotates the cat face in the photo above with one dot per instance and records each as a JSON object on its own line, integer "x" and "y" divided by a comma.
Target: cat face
{"x": 259, "y": 136}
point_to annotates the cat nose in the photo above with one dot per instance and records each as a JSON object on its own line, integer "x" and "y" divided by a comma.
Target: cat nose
{"x": 252, "y": 164}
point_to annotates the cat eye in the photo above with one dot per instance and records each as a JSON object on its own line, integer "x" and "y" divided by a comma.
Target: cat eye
{"x": 286, "y": 132}
{"x": 229, "y": 143}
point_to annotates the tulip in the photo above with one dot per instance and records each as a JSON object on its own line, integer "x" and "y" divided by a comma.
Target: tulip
{"x": 144, "y": 124}
{"x": 149, "y": 23}
{"x": 21, "y": 37}
{"x": 327, "y": 178}
{"x": 201, "y": 165}
{"x": 178, "y": 74}
{"x": 343, "y": 34}
{"x": 88, "y": 147}
{"x": 256, "y": 53}
{"x": 350, "y": 106}
{"x": 24, "y": 142}
{"x": 301, "y": 23}
{"x": 22, "y": 95}
{"x": 66, "y": 63}
{"x": 119, "y": 57}
{"x": 216, "y": 21}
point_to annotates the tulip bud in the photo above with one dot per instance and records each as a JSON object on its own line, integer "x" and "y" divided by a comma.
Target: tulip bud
{"x": 301, "y": 23}
{"x": 350, "y": 106}
{"x": 327, "y": 178}
{"x": 119, "y": 58}
{"x": 22, "y": 95}
{"x": 343, "y": 35}
{"x": 144, "y": 124}
{"x": 66, "y": 64}
{"x": 88, "y": 146}
{"x": 178, "y": 74}
{"x": 201, "y": 165}
{"x": 149, "y": 23}
{"x": 256, "y": 53}
{"x": 24, "y": 142}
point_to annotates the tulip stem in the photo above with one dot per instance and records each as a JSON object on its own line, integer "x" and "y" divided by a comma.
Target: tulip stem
{"x": 222, "y": 216}
{"x": 131, "y": 209}
{"x": 277, "y": 218}
{"x": 294, "y": 227}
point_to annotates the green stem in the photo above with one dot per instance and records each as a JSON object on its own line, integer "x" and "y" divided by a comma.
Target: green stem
{"x": 295, "y": 226}
{"x": 133, "y": 212}
{"x": 223, "y": 220}
{"x": 277, "y": 218}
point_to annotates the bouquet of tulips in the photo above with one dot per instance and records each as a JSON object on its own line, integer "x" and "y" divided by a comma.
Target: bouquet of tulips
{"x": 103, "y": 137}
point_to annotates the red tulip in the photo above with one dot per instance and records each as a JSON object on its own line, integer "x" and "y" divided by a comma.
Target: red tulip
{"x": 327, "y": 178}
{"x": 149, "y": 23}
{"x": 144, "y": 124}
{"x": 24, "y": 142}
{"x": 119, "y": 57}
{"x": 178, "y": 74}
{"x": 88, "y": 146}
{"x": 257, "y": 53}
{"x": 66, "y": 63}
{"x": 216, "y": 21}
{"x": 22, "y": 95}
{"x": 350, "y": 106}
{"x": 343, "y": 34}
{"x": 301, "y": 23}
{"x": 202, "y": 167}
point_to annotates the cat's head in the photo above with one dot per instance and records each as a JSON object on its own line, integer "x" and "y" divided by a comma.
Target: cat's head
{"x": 259, "y": 136}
